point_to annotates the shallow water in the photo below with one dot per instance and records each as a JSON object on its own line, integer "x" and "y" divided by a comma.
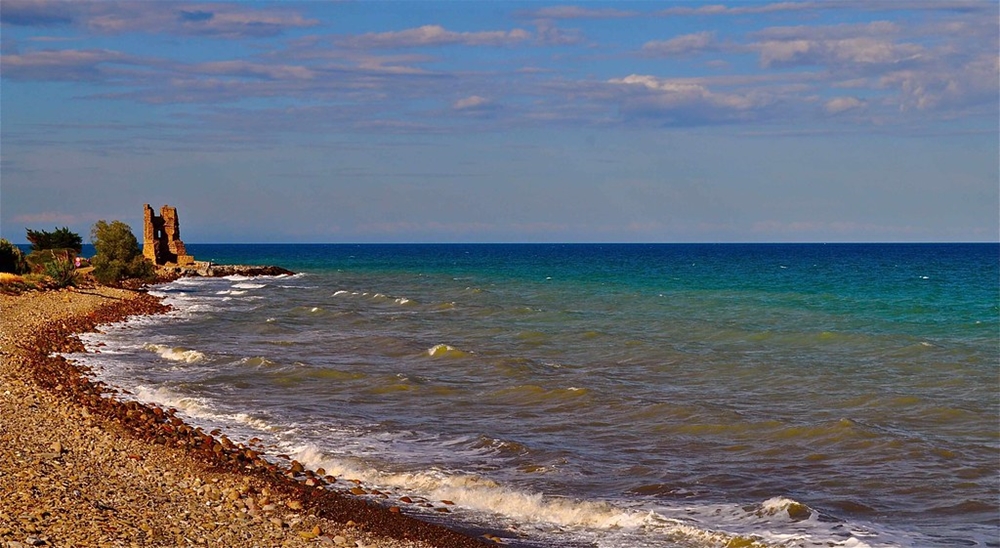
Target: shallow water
{"x": 609, "y": 395}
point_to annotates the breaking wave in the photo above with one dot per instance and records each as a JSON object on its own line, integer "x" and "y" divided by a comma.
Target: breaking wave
{"x": 175, "y": 354}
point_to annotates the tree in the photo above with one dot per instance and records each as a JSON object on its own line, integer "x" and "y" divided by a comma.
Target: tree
{"x": 118, "y": 257}
{"x": 11, "y": 258}
{"x": 60, "y": 238}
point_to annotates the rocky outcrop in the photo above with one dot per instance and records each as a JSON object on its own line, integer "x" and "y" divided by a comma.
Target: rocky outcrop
{"x": 161, "y": 237}
{"x": 209, "y": 270}
{"x": 221, "y": 270}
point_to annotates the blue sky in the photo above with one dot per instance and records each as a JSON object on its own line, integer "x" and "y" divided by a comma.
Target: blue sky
{"x": 822, "y": 121}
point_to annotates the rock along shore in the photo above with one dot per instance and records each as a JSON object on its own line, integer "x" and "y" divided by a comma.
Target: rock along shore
{"x": 80, "y": 467}
{"x": 210, "y": 270}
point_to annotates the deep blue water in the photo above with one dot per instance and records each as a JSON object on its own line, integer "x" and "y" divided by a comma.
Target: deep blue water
{"x": 610, "y": 395}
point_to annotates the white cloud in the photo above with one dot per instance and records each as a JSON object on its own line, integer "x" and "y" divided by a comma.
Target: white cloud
{"x": 843, "y": 104}
{"x": 68, "y": 64}
{"x": 471, "y": 102}
{"x": 436, "y": 35}
{"x": 975, "y": 82}
{"x": 680, "y": 92}
{"x": 577, "y": 12}
{"x": 679, "y": 45}
{"x": 687, "y": 102}
{"x": 195, "y": 19}
{"x": 256, "y": 70}
{"x": 51, "y": 217}
{"x": 857, "y": 51}
{"x": 549, "y": 34}
{"x": 939, "y": 66}
{"x": 867, "y": 45}
{"x": 881, "y": 29}
{"x": 719, "y": 9}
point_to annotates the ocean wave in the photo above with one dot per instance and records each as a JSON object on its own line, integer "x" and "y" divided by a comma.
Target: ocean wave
{"x": 256, "y": 361}
{"x": 165, "y": 397}
{"x": 199, "y": 408}
{"x": 175, "y": 354}
{"x": 377, "y": 297}
{"x": 245, "y": 285}
{"x": 230, "y": 292}
{"x": 478, "y": 493}
{"x": 446, "y": 351}
{"x": 531, "y": 394}
{"x": 602, "y": 523}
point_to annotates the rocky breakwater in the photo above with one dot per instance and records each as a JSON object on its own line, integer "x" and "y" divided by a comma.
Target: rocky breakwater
{"x": 210, "y": 270}
{"x": 82, "y": 466}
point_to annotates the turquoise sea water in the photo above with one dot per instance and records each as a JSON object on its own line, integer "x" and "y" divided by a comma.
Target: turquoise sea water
{"x": 609, "y": 395}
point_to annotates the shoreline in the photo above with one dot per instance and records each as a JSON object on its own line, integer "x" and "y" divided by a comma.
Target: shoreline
{"x": 83, "y": 468}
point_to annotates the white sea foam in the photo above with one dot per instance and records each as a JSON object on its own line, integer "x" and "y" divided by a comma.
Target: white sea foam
{"x": 201, "y": 409}
{"x": 774, "y": 505}
{"x": 604, "y": 523}
{"x": 480, "y": 494}
{"x": 191, "y": 406}
{"x": 608, "y": 523}
{"x": 176, "y": 354}
{"x": 377, "y": 296}
{"x": 244, "y": 285}
{"x": 257, "y": 361}
{"x": 445, "y": 351}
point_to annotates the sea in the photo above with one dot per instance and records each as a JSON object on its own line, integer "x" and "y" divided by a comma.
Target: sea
{"x": 605, "y": 395}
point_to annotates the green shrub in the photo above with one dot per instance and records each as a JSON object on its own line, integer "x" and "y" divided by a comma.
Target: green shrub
{"x": 60, "y": 238}
{"x": 118, "y": 257}
{"x": 61, "y": 269}
{"x": 38, "y": 261}
{"x": 11, "y": 258}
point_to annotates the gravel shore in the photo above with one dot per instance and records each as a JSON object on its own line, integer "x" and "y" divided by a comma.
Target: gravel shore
{"x": 81, "y": 468}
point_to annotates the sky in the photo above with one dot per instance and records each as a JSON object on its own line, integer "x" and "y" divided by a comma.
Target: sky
{"x": 476, "y": 121}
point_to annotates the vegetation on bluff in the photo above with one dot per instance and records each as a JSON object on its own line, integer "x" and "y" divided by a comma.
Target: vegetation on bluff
{"x": 60, "y": 238}
{"x": 118, "y": 256}
{"x": 11, "y": 259}
{"x": 54, "y": 261}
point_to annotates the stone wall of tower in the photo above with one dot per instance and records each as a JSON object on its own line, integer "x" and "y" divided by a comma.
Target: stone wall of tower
{"x": 161, "y": 237}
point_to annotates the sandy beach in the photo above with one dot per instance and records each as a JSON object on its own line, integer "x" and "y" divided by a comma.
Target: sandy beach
{"x": 81, "y": 468}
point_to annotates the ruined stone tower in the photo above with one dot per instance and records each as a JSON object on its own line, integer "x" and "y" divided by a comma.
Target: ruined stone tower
{"x": 161, "y": 237}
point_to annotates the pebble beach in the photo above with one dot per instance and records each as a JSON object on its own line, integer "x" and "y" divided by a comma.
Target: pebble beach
{"x": 79, "y": 467}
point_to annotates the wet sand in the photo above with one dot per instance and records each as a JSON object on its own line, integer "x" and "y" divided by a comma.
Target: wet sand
{"x": 79, "y": 467}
